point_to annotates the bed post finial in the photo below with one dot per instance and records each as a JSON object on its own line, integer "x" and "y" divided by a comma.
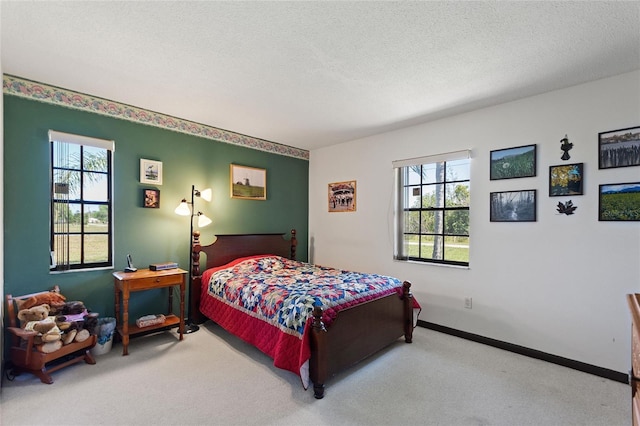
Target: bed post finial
{"x": 294, "y": 243}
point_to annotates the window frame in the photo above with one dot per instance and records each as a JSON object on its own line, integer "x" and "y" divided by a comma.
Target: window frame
{"x": 402, "y": 168}
{"x": 83, "y": 201}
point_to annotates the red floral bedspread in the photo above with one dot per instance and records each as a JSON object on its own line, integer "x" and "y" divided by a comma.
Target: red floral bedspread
{"x": 266, "y": 301}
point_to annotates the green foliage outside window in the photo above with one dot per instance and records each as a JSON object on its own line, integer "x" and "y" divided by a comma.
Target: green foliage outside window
{"x": 436, "y": 212}
{"x": 80, "y": 222}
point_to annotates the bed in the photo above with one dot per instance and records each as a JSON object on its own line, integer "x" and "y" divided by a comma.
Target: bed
{"x": 324, "y": 331}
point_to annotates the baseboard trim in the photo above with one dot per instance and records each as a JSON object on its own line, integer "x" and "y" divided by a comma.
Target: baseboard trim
{"x": 565, "y": 362}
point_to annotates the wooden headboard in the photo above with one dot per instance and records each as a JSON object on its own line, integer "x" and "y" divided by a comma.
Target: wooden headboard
{"x": 232, "y": 246}
{"x": 228, "y": 247}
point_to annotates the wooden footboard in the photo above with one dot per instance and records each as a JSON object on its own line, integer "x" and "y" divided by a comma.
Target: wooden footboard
{"x": 357, "y": 333}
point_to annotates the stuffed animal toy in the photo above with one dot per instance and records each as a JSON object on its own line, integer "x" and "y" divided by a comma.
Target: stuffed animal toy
{"x": 36, "y": 318}
{"x": 87, "y": 326}
{"x": 52, "y": 298}
{"x": 91, "y": 322}
{"x": 73, "y": 330}
{"x": 75, "y": 307}
{"x": 71, "y": 320}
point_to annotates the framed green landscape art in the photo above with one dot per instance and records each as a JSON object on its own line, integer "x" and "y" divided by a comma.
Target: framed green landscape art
{"x": 248, "y": 183}
{"x": 619, "y": 201}
{"x": 510, "y": 163}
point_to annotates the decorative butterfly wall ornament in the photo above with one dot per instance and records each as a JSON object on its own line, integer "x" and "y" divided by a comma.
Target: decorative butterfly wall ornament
{"x": 566, "y": 208}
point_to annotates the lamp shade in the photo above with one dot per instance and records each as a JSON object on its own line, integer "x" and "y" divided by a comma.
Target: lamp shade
{"x": 206, "y": 194}
{"x": 203, "y": 220}
{"x": 183, "y": 209}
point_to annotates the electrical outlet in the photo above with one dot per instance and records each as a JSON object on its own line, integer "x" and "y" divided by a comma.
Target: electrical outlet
{"x": 467, "y": 302}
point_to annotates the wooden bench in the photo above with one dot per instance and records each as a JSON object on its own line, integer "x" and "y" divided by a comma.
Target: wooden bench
{"x": 25, "y": 357}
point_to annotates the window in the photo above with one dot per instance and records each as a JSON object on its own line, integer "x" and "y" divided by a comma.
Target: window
{"x": 432, "y": 213}
{"x": 81, "y": 202}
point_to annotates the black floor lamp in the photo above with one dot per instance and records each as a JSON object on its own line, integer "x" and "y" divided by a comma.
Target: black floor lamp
{"x": 187, "y": 208}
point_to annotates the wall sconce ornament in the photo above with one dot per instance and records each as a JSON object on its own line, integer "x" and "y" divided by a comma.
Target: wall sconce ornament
{"x": 567, "y": 208}
{"x": 565, "y": 146}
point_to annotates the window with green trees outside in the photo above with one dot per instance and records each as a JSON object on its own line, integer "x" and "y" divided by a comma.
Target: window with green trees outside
{"x": 432, "y": 218}
{"x": 81, "y": 194}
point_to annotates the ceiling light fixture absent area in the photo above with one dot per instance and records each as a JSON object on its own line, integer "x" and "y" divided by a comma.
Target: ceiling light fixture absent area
{"x": 186, "y": 208}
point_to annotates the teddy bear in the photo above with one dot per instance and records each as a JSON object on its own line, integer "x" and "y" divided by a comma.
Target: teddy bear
{"x": 36, "y": 318}
{"x": 73, "y": 330}
{"x": 75, "y": 322}
{"x": 91, "y": 321}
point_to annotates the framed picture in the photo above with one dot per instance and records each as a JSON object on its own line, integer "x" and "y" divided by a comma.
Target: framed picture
{"x": 150, "y": 172}
{"x": 342, "y": 196}
{"x": 151, "y": 198}
{"x": 565, "y": 180}
{"x": 248, "y": 183}
{"x": 513, "y": 206}
{"x": 619, "y": 148}
{"x": 619, "y": 201}
{"x": 513, "y": 163}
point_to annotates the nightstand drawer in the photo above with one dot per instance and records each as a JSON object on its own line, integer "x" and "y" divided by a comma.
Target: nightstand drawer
{"x": 153, "y": 282}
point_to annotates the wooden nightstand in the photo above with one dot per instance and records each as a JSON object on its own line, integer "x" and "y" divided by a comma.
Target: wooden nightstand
{"x": 144, "y": 279}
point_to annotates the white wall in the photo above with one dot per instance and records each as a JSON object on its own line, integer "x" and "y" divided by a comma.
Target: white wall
{"x": 557, "y": 285}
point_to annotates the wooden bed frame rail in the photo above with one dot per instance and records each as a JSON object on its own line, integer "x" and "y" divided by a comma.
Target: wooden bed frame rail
{"x": 356, "y": 333}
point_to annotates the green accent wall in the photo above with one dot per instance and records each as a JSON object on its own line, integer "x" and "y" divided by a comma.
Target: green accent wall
{"x": 149, "y": 235}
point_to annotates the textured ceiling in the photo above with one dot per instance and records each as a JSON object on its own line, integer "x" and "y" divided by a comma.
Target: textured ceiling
{"x": 316, "y": 73}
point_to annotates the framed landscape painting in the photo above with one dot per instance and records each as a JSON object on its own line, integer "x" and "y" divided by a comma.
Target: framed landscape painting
{"x": 619, "y": 148}
{"x": 513, "y": 163}
{"x": 248, "y": 183}
{"x": 513, "y": 206}
{"x": 619, "y": 201}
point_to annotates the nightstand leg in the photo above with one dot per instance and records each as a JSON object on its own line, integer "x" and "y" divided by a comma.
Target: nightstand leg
{"x": 125, "y": 322}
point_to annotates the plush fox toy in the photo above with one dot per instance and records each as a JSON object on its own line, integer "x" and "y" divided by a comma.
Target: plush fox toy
{"x": 52, "y": 298}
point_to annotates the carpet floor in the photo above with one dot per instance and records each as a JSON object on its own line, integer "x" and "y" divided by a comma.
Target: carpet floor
{"x": 213, "y": 378}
